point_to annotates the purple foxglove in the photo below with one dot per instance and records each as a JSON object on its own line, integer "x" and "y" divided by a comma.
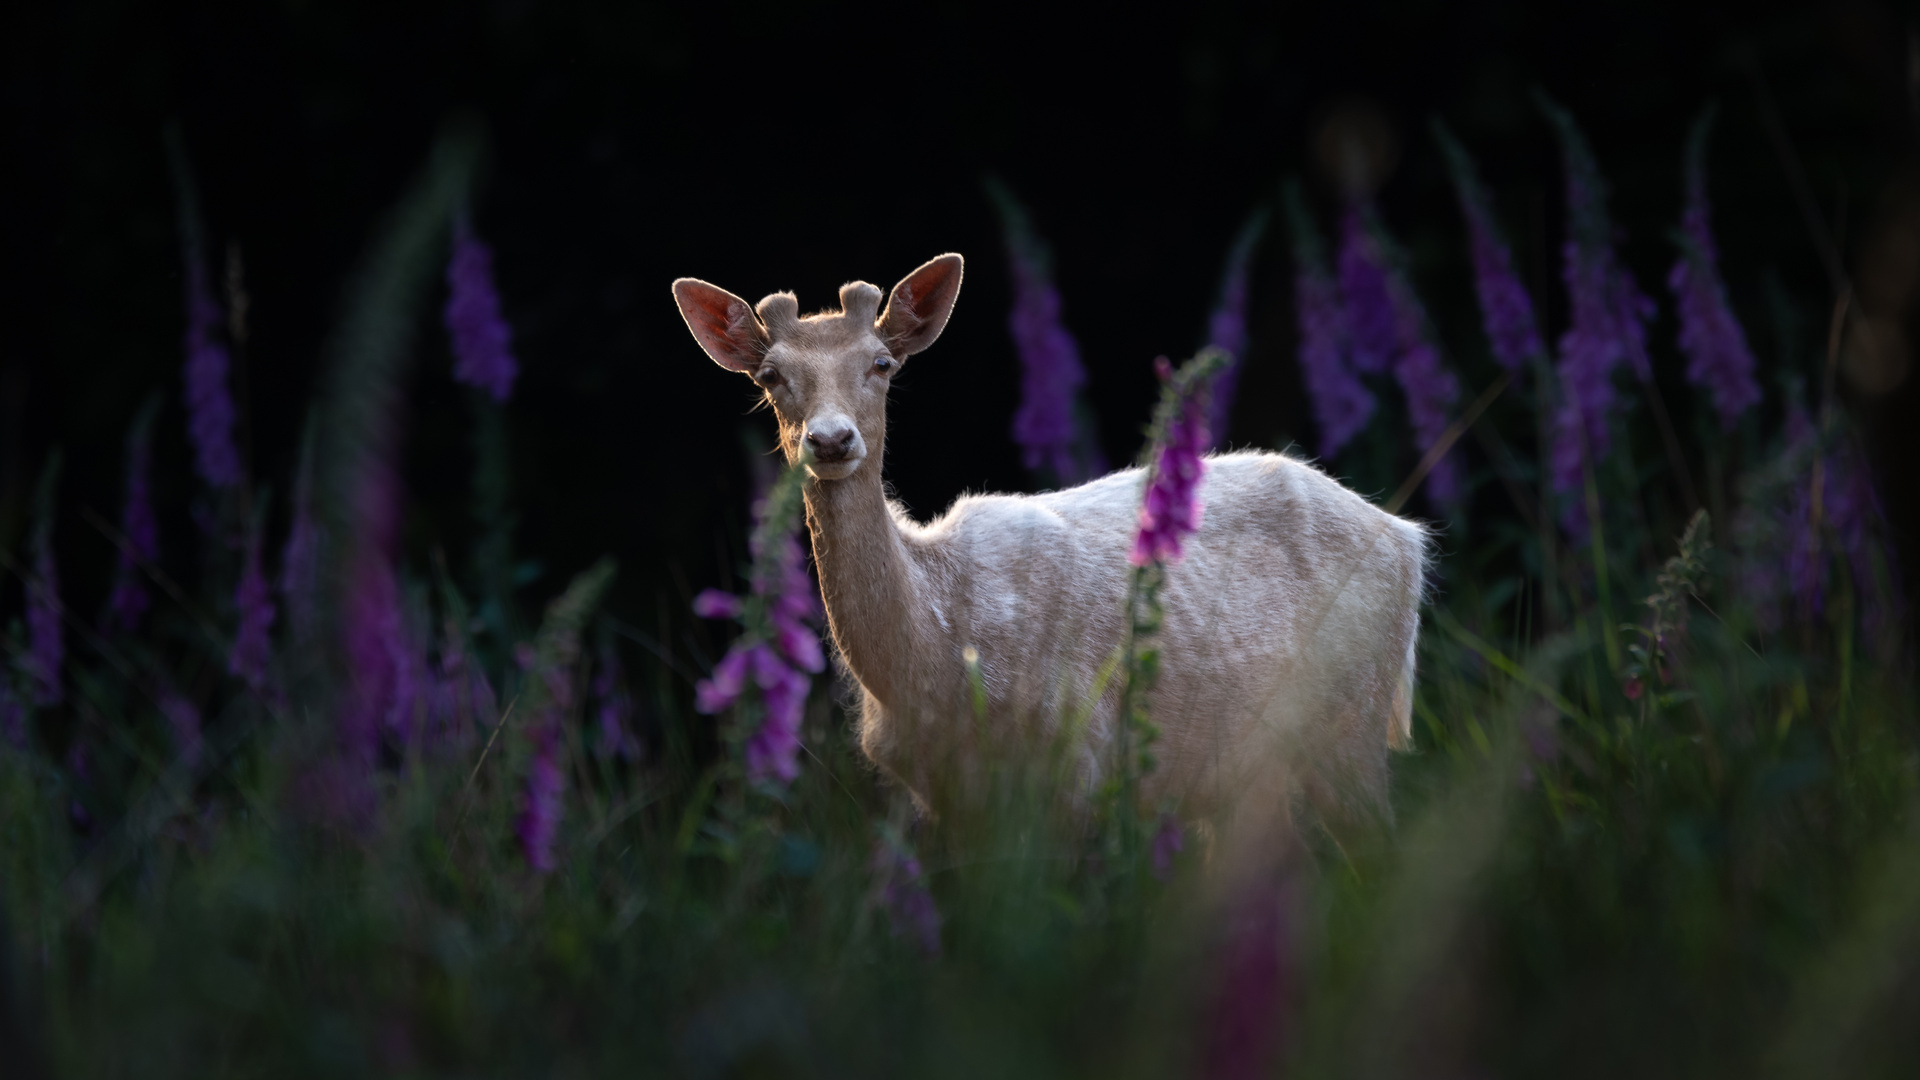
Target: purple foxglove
{"x": 1170, "y": 509}
{"x": 251, "y": 649}
{"x": 210, "y": 410}
{"x": 1051, "y": 426}
{"x": 1505, "y": 308}
{"x": 613, "y": 708}
{"x": 543, "y": 798}
{"x": 1608, "y": 324}
{"x": 902, "y": 894}
{"x": 482, "y": 342}
{"x": 1342, "y": 405}
{"x": 1227, "y": 326}
{"x": 138, "y": 526}
{"x": 1430, "y": 389}
{"x": 1372, "y": 328}
{"x": 1718, "y": 359}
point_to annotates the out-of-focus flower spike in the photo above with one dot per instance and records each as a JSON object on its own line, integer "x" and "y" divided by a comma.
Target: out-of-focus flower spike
{"x": 543, "y": 799}
{"x": 210, "y": 409}
{"x": 482, "y": 342}
{"x": 1227, "y": 325}
{"x": 1505, "y": 308}
{"x": 1608, "y": 324}
{"x": 138, "y": 526}
{"x": 1718, "y": 359}
{"x": 1342, "y": 405}
{"x": 1052, "y": 426}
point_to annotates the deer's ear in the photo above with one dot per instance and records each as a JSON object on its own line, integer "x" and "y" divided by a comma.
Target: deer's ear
{"x": 722, "y": 323}
{"x": 918, "y": 308}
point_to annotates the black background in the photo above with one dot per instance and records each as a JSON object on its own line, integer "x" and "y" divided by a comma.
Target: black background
{"x": 770, "y": 146}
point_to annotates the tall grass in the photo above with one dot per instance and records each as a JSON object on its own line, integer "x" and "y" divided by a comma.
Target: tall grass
{"x": 1658, "y": 820}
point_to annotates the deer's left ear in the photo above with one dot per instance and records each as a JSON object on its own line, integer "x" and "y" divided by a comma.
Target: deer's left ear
{"x": 919, "y": 306}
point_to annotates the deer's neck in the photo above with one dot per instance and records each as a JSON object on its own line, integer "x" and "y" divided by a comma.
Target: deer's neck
{"x": 867, "y": 578}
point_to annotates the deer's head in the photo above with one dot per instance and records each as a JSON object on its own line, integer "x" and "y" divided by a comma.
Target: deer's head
{"x": 825, "y": 375}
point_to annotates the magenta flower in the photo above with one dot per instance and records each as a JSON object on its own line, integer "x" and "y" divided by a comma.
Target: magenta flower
{"x": 129, "y": 599}
{"x": 1718, "y": 359}
{"x": 1430, "y": 389}
{"x": 542, "y": 800}
{"x": 482, "y": 342}
{"x": 1372, "y": 328}
{"x": 1227, "y": 326}
{"x": 1342, "y": 405}
{"x": 1051, "y": 426}
{"x": 779, "y": 646}
{"x": 613, "y": 708}
{"x": 1505, "y": 308}
{"x": 902, "y": 893}
{"x": 251, "y": 649}
{"x": 1170, "y": 510}
{"x": 1608, "y": 326}
{"x": 210, "y": 410}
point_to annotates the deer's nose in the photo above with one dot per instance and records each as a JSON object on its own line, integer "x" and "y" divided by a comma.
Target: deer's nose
{"x": 830, "y": 446}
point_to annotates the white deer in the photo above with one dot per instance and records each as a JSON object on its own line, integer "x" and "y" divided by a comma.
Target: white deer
{"x": 1290, "y": 624}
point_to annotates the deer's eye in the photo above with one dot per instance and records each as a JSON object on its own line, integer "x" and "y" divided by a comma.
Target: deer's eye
{"x": 768, "y": 377}
{"x": 882, "y": 364}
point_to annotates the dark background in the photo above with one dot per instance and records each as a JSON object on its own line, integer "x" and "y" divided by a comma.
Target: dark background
{"x": 771, "y": 146}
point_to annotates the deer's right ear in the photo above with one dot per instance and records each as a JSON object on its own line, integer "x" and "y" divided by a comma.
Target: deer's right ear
{"x": 722, "y": 323}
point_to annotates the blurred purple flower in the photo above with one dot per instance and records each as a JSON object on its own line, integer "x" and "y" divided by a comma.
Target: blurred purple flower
{"x": 1430, "y": 389}
{"x": 1608, "y": 324}
{"x": 773, "y": 750}
{"x": 1718, "y": 359}
{"x": 251, "y": 648}
{"x": 902, "y": 894}
{"x": 543, "y": 798}
{"x": 381, "y": 687}
{"x": 1253, "y": 997}
{"x": 613, "y": 708}
{"x": 46, "y": 649}
{"x": 1432, "y": 392}
{"x": 482, "y": 342}
{"x": 1505, "y": 308}
{"x": 1168, "y": 838}
{"x": 1171, "y": 510}
{"x": 1342, "y": 405}
{"x": 1373, "y": 331}
{"x": 1227, "y": 326}
{"x": 1050, "y": 426}
{"x": 779, "y": 646}
{"x": 129, "y": 599}
{"x": 714, "y": 604}
{"x": 210, "y": 411}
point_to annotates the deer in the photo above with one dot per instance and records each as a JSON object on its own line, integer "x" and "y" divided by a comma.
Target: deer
{"x": 1287, "y": 647}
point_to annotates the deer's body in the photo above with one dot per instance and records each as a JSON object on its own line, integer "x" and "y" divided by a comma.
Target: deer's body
{"x": 1287, "y": 647}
